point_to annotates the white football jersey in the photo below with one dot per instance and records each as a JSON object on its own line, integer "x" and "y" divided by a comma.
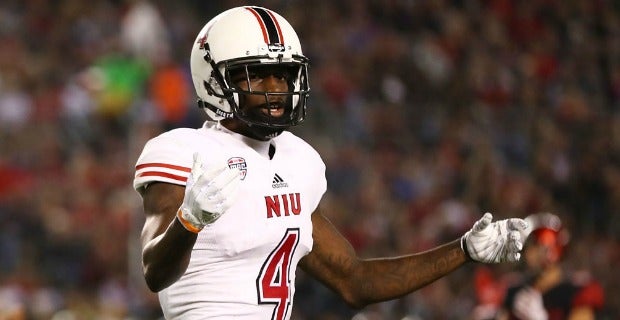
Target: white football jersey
{"x": 243, "y": 265}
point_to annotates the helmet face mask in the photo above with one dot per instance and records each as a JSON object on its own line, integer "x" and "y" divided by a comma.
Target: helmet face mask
{"x": 242, "y": 43}
{"x": 293, "y": 100}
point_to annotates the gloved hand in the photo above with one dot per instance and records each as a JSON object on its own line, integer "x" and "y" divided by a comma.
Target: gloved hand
{"x": 528, "y": 305}
{"x": 494, "y": 242}
{"x": 208, "y": 194}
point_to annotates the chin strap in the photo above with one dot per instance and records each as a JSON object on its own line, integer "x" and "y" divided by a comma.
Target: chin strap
{"x": 264, "y": 133}
{"x": 217, "y": 111}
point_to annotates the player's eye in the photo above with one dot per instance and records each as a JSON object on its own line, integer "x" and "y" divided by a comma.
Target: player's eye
{"x": 254, "y": 76}
{"x": 261, "y": 72}
{"x": 237, "y": 75}
{"x": 280, "y": 74}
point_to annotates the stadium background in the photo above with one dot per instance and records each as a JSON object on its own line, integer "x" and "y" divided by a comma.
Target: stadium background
{"x": 427, "y": 113}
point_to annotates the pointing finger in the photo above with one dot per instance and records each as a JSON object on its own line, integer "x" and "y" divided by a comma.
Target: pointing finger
{"x": 483, "y": 223}
{"x": 197, "y": 165}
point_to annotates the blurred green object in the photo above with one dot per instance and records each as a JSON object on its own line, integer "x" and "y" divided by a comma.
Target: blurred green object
{"x": 119, "y": 80}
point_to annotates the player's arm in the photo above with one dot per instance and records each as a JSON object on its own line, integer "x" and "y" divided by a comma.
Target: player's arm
{"x": 166, "y": 244}
{"x": 360, "y": 282}
{"x": 582, "y": 313}
{"x": 176, "y": 214}
{"x": 502, "y": 314}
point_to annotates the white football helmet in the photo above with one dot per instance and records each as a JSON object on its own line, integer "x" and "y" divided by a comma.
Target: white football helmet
{"x": 242, "y": 38}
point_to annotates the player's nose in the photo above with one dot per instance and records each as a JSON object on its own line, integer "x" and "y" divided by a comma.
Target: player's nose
{"x": 274, "y": 83}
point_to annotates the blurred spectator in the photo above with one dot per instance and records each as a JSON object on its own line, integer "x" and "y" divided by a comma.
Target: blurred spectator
{"x": 144, "y": 33}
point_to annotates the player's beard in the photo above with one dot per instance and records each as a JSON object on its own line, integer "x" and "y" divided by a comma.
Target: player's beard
{"x": 264, "y": 133}
{"x": 257, "y": 114}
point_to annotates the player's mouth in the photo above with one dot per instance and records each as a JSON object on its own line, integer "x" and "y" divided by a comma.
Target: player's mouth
{"x": 273, "y": 110}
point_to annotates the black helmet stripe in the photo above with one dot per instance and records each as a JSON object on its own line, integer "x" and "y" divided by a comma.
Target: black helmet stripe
{"x": 269, "y": 25}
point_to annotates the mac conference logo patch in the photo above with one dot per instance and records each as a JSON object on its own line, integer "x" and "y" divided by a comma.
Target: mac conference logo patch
{"x": 238, "y": 163}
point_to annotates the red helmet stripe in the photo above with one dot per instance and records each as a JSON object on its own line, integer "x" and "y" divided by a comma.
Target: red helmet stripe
{"x": 275, "y": 21}
{"x": 269, "y": 25}
{"x": 260, "y": 23}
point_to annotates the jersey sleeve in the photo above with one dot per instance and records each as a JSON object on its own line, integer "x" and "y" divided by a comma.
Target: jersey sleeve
{"x": 165, "y": 158}
{"x": 311, "y": 162}
{"x": 321, "y": 186}
{"x": 317, "y": 174}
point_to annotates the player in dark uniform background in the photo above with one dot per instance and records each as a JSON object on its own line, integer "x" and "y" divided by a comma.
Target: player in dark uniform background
{"x": 547, "y": 291}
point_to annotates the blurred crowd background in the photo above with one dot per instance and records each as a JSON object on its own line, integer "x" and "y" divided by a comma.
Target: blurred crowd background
{"x": 428, "y": 113}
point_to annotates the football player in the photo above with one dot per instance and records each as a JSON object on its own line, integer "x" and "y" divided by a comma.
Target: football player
{"x": 232, "y": 208}
{"x": 547, "y": 291}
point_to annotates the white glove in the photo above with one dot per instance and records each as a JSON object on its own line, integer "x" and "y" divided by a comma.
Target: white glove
{"x": 208, "y": 194}
{"x": 528, "y": 305}
{"x": 494, "y": 242}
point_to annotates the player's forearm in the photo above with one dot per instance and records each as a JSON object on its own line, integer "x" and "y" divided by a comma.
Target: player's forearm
{"x": 385, "y": 279}
{"x": 166, "y": 257}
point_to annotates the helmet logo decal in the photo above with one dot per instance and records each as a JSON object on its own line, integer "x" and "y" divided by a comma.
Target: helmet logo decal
{"x": 202, "y": 41}
{"x": 270, "y": 27}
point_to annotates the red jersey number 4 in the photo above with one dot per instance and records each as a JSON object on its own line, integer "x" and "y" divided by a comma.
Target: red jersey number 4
{"x": 274, "y": 282}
